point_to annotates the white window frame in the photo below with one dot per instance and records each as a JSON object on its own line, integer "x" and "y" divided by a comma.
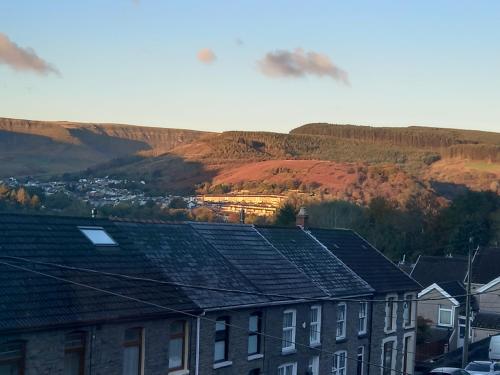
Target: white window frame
{"x": 293, "y": 329}
{"x": 282, "y": 369}
{"x": 313, "y": 366}
{"x": 363, "y": 330}
{"x": 410, "y": 355}
{"x": 452, "y": 317}
{"x": 335, "y": 367}
{"x": 394, "y": 320}
{"x": 393, "y": 357}
{"x": 413, "y": 305}
{"x": 362, "y": 355}
{"x": 344, "y": 321}
{"x": 315, "y": 327}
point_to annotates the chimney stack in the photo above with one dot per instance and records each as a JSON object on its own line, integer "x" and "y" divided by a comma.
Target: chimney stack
{"x": 242, "y": 216}
{"x": 302, "y": 219}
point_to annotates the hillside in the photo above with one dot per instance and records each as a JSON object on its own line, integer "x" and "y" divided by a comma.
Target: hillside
{"x": 46, "y": 147}
{"x": 355, "y": 163}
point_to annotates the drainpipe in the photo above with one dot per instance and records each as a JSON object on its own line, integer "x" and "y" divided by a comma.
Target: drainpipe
{"x": 368, "y": 359}
{"x": 197, "y": 359}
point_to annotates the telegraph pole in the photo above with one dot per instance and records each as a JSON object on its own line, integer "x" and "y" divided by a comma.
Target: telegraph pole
{"x": 465, "y": 348}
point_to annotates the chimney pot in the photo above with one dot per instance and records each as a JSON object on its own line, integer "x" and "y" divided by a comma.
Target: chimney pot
{"x": 302, "y": 219}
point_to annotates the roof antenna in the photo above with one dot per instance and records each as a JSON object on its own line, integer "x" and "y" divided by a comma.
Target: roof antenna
{"x": 93, "y": 213}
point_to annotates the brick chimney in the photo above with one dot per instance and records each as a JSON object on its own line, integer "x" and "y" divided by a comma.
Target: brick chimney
{"x": 302, "y": 219}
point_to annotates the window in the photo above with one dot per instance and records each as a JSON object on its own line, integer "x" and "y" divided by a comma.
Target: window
{"x": 408, "y": 308}
{"x": 445, "y": 316}
{"x": 315, "y": 326}
{"x": 408, "y": 352}
{"x": 360, "y": 360}
{"x": 313, "y": 367}
{"x": 388, "y": 356}
{"x": 12, "y": 358}
{"x": 74, "y": 353}
{"x": 339, "y": 363}
{"x": 288, "y": 369}
{"x": 288, "y": 341}
{"x": 221, "y": 339}
{"x": 132, "y": 351}
{"x": 254, "y": 330}
{"x": 341, "y": 321}
{"x": 363, "y": 317}
{"x": 461, "y": 327}
{"x": 98, "y": 236}
{"x": 391, "y": 306}
{"x": 177, "y": 346}
{"x": 255, "y": 371}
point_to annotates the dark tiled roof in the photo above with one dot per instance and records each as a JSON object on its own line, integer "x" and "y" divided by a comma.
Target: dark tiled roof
{"x": 432, "y": 269}
{"x": 485, "y": 266}
{"x": 378, "y": 271}
{"x": 187, "y": 258}
{"x": 454, "y": 289}
{"x": 249, "y": 252}
{"x": 316, "y": 261}
{"x": 30, "y": 300}
{"x": 487, "y": 320}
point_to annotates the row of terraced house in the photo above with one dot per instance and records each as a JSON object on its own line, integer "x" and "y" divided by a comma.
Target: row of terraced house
{"x": 84, "y": 296}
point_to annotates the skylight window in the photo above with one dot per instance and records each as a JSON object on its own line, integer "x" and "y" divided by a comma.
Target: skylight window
{"x": 98, "y": 236}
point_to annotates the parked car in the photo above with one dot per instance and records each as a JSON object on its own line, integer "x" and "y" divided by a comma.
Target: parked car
{"x": 483, "y": 368}
{"x": 448, "y": 371}
{"x": 494, "y": 353}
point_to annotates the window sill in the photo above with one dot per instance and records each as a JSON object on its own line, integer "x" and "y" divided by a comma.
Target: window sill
{"x": 388, "y": 332}
{"x": 288, "y": 351}
{"x": 409, "y": 327}
{"x": 179, "y": 372}
{"x": 255, "y": 356}
{"x": 222, "y": 364}
{"x": 362, "y": 334}
{"x": 314, "y": 344}
{"x": 340, "y": 339}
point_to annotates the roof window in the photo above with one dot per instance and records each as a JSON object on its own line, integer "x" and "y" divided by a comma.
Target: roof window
{"x": 98, "y": 236}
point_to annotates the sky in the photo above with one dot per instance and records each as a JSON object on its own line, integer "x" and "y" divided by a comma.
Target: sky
{"x": 267, "y": 65}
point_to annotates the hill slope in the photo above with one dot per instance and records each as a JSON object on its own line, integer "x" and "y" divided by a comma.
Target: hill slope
{"x": 47, "y": 147}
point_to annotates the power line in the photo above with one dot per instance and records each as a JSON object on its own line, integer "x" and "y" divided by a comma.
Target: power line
{"x": 226, "y": 290}
{"x": 192, "y": 315}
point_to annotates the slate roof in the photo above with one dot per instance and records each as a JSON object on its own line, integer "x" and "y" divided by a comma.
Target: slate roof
{"x": 324, "y": 268}
{"x": 485, "y": 265}
{"x": 29, "y": 300}
{"x": 371, "y": 265}
{"x": 187, "y": 258}
{"x": 487, "y": 320}
{"x": 433, "y": 269}
{"x": 455, "y": 289}
{"x": 251, "y": 254}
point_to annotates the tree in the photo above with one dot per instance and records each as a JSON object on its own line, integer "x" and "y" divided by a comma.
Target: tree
{"x": 286, "y": 215}
{"x": 177, "y": 202}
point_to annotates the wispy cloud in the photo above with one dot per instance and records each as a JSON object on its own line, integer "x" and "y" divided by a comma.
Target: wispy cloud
{"x": 23, "y": 59}
{"x": 206, "y": 56}
{"x": 239, "y": 42}
{"x": 299, "y": 63}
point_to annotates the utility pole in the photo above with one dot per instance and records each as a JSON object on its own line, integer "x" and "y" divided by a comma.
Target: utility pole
{"x": 465, "y": 348}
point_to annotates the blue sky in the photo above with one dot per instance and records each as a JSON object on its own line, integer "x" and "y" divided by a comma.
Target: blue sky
{"x": 431, "y": 63}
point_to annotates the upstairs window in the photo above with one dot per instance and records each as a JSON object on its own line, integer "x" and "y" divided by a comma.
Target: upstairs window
{"x": 391, "y": 307}
{"x": 98, "y": 236}
{"x": 445, "y": 316}
{"x": 315, "y": 326}
{"x": 221, "y": 340}
{"x": 341, "y": 321}
{"x": 408, "y": 318}
{"x": 132, "y": 351}
{"x": 289, "y": 320}
{"x": 74, "y": 353}
{"x": 254, "y": 333}
{"x": 12, "y": 358}
{"x": 363, "y": 317}
{"x": 177, "y": 347}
